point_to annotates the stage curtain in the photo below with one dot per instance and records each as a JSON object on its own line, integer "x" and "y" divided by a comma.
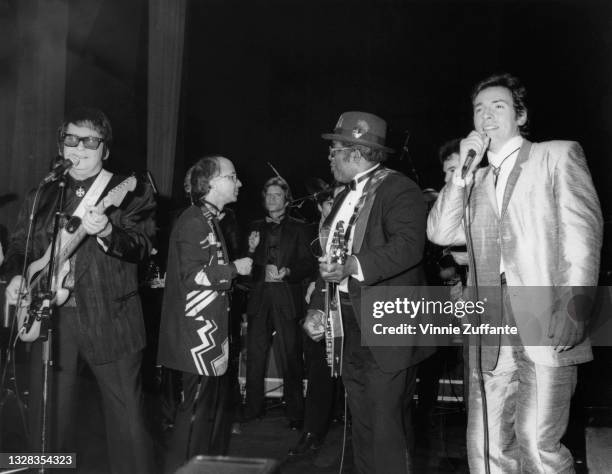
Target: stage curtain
{"x": 166, "y": 40}
{"x": 35, "y": 105}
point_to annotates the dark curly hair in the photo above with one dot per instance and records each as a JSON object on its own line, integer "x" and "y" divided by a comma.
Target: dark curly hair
{"x": 516, "y": 88}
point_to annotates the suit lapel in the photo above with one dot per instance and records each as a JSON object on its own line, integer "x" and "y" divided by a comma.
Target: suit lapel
{"x": 515, "y": 173}
{"x": 364, "y": 214}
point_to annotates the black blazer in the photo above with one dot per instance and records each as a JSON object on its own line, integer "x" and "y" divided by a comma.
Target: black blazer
{"x": 293, "y": 252}
{"x": 390, "y": 254}
{"x": 109, "y": 312}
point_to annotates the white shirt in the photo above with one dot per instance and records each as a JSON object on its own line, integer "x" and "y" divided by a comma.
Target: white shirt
{"x": 344, "y": 214}
{"x": 506, "y": 158}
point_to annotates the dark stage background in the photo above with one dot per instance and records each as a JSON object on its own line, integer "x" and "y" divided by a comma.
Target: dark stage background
{"x": 262, "y": 79}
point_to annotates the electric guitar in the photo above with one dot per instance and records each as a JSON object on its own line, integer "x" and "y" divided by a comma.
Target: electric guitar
{"x": 30, "y": 313}
{"x": 334, "y": 332}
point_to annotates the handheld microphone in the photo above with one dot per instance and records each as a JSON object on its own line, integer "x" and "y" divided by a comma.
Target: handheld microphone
{"x": 59, "y": 170}
{"x": 471, "y": 156}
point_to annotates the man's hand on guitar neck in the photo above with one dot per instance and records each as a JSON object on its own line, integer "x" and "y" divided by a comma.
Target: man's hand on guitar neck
{"x": 336, "y": 272}
{"x": 96, "y": 222}
{"x": 12, "y": 291}
{"x": 314, "y": 325}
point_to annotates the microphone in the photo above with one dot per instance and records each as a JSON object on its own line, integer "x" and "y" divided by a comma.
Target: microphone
{"x": 471, "y": 156}
{"x": 59, "y": 170}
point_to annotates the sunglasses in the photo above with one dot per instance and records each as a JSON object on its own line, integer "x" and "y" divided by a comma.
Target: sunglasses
{"x": 91, "y": 143}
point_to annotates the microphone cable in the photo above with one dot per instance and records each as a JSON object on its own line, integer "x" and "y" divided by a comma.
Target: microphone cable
{"x": 467, "y": 193}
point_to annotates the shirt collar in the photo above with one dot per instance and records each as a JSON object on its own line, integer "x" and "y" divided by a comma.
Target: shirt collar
{"x": 360, "y": 179}
{"x": 495, "y": 159}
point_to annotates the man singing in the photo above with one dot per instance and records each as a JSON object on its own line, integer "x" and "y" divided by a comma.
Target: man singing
{"x": 534, "y": 221}
{"x": 383, "y": 216}
{"x": 101, "y": 322}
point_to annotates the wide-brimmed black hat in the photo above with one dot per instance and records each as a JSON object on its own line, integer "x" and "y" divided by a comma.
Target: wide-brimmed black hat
{"x": 360, "y": 128}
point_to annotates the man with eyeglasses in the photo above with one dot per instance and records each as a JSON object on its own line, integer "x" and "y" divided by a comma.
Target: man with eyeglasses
{"x": 382, "y": 213}
{"x": 282, "y": 260}
{"x": 101, "y": 323}
{"x": 194, "y": 331}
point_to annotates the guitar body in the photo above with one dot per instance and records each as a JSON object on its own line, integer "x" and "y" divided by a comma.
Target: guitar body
{"x": 27, "y": 318}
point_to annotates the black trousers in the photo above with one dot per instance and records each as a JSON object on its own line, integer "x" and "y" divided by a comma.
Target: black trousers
{"x": 274, "y": 317}
{"x": 203, "y": 419}
{"x": 378, "y": 402}
{"x": 325, "y": 393}
{"x": 129, "y": 444}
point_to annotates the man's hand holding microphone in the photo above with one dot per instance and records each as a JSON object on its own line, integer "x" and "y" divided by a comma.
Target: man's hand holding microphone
{"x": 471, "y": 151}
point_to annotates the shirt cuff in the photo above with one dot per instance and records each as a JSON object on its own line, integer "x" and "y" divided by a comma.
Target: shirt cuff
{"x": 359, "y": 275}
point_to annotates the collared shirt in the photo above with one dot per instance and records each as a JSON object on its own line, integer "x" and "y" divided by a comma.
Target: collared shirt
{"x": 272, "y": 240}
{"x": 344, "y": 214}
{"x": 505, "y": 160}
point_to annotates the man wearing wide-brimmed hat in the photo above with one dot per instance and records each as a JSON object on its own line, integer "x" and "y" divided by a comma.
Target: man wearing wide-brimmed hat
{"x": 383, "y": 215}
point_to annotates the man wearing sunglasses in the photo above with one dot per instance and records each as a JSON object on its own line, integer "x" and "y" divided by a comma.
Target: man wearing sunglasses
{"x": 101, "y": 323}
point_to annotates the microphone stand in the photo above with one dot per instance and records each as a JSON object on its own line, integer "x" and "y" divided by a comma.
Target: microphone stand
{"x": 46, "y": 328}
{"x": 406, "y": 154}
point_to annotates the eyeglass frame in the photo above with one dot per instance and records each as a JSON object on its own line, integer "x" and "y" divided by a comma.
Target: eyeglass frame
{"x": 81, "y": 140}
{"x": 233, "y": 177}
{"x": 334, "y": 150}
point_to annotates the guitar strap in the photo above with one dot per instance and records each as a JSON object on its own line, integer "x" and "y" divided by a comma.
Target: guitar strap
{"x": 371, "y": 186}
{"x": 91, "y": 198}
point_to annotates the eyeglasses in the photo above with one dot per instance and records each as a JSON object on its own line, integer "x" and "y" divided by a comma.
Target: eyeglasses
{"x": 233, "y": 177}
{"x": 91, "y": 143}
{"x": 333, "y": 151}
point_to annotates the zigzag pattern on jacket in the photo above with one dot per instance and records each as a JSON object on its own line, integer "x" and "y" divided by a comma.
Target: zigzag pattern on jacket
{"x": 215, "y": 362}
{"x": 198, "y": 300}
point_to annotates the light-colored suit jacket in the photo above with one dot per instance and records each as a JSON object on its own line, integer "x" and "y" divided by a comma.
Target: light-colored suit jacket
{"x": 549, "y": 233}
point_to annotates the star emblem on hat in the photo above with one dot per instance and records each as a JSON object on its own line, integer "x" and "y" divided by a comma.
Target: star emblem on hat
{"x": 360, "y": 129}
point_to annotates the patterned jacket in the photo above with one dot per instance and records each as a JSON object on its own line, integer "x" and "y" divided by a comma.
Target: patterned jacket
{"x": 109, "y": 322}
{"x": 194, "y": 324}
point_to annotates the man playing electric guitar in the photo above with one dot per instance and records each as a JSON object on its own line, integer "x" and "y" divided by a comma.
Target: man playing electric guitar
{"x": 101, "y": 321}
{"x": 384, "y": 215}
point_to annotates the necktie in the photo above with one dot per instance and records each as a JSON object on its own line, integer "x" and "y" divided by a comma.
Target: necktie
{"x": 497, "y": 169}
{"x": 274, "y": 220}
{"x": 352, "y": 186}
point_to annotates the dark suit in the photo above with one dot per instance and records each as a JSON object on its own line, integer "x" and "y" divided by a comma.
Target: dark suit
{"x": 388, "y": 242}
{"x": 103, "y": 323}
{"x": 278, "y": 306}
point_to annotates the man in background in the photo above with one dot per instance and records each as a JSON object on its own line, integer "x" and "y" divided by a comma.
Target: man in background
{"x": 282, "y": 260}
